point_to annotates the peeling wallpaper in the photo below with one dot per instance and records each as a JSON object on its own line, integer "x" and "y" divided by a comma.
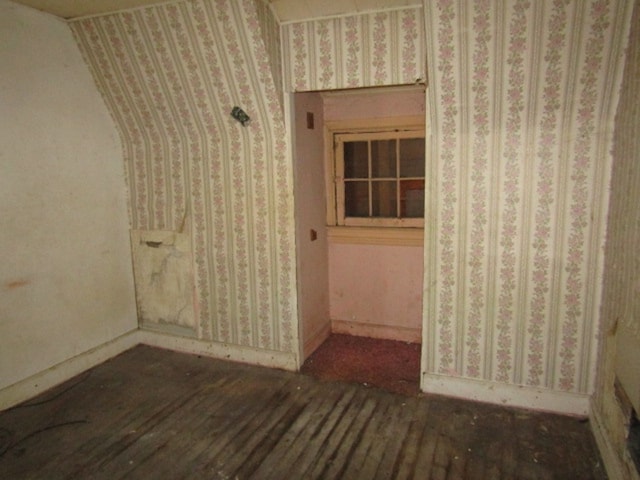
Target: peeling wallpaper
{"x": 170, "y": 75}
{"x": 620, "y": 345}
{"x": 381, "y": 48}
{"x": 621, "y": 295}
{"x": 523, "y": 95}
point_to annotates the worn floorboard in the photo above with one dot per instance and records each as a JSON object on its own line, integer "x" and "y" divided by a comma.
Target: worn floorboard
{"x": 155, "y": 414}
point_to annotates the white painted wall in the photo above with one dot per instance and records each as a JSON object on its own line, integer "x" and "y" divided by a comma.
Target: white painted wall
{"x": 313, "y": 266}
{"x": 65, "y": 278}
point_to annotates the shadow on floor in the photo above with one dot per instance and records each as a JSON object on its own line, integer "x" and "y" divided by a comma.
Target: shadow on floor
{"x": 155, "y": 414}
{"x": 387, "y": 364}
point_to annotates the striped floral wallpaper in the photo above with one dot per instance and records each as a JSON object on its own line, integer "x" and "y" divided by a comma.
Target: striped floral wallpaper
{"x": 381, "y": 48}
{"x": 270, "y": 29}
{"x": 170, "y": 75}
{"x": 523, "y": 95}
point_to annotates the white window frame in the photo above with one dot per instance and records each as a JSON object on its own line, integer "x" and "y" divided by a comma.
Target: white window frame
{"x": 402, "y": 127}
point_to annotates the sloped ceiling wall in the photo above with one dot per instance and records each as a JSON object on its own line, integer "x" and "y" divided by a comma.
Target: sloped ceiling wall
{"x": 523, "y": 95}
{"x": 170, "y": 75}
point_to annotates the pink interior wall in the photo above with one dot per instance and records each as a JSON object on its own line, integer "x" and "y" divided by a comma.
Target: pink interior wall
{"x": 376, "y": 290}
{"x": 309, "y": 189}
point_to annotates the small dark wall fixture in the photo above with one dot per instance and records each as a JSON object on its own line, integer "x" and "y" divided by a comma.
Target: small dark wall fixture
{"x": 240, "y": 115}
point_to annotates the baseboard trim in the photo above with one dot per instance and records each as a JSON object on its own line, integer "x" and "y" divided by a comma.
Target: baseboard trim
{"x": 372, "y": 330}
{"x": 223, "y": 351}
{"x": 612, "y": 463}
{"x": 509, "y": 395}
{"x": 63, "y": 371}
{"x": 317, "y": 338}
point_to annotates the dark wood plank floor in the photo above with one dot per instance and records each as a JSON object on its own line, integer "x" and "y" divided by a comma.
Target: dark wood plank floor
{"x": 154, "y": 414}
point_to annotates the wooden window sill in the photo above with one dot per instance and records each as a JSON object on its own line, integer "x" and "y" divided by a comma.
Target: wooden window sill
{"x": 410, "y": 237}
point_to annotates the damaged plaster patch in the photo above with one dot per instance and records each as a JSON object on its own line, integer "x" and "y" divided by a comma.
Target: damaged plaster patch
{"x": 163, "y": 278}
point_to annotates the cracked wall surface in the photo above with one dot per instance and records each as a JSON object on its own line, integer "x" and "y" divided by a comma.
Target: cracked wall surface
{"x": 163, "y": 272}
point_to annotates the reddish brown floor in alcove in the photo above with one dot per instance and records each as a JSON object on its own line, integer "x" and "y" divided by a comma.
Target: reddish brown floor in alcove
{"x": 391, "y": 365}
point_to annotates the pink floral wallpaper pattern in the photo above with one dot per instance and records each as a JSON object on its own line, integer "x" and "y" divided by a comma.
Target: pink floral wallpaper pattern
{"x": 378, "y": 48}
{"x": 523, "y": 96}
{"x": 170, "y": 75}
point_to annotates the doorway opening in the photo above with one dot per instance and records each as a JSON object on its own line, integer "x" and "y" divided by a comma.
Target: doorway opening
{"x": 359, "y": 166}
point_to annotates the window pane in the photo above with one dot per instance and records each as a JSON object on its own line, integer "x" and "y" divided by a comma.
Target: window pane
{"x": 356, "y": 160}
{"x": 412, "y": 157}
{"x": 384, "y": 200}
{"x": 412, "y": 198}
{"x": 356, "y": 199}
{"x": 383, "y": 159}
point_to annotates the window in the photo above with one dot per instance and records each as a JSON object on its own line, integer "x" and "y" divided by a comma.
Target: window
{"x": 379, "y": 178}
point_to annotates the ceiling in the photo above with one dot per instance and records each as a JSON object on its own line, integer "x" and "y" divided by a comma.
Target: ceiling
{"x": 286, "y": 10}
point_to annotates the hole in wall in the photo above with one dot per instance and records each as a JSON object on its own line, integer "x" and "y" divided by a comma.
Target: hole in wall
{"x": 633, "y": 440}
{"x": 629, "y": 413}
